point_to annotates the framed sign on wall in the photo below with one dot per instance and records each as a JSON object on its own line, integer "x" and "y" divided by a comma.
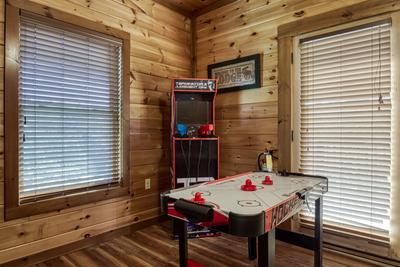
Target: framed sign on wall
{"x": 237, "y": 74}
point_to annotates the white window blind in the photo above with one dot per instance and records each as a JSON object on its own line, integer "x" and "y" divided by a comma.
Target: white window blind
{"x": 344, "y": 124}
{"x": 70, "y": 109}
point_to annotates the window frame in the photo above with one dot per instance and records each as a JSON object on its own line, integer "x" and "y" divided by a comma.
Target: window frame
{"x": 347, "y": 17}
{"x": 13, "y": 208}
{"x": 296, "y": 109}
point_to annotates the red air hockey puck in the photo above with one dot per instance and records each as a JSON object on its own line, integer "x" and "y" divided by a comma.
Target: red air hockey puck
{"x": 197, "y": 198}
{"x": 267, "y": 180}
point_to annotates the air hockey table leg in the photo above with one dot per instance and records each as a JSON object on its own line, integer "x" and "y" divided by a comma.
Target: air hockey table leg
{"x": 181, "y": 230}
{"x": 318, "y": 232}
{"x": 252, "y": 248}
{"x": 266, "y": 249}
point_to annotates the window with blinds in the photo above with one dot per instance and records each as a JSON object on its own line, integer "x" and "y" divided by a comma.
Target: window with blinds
{"x": 344, "y": 122}
{"x": 70, "y": 109}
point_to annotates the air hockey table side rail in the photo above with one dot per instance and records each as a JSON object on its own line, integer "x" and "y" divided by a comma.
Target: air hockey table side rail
{"x": 251, "y": 226}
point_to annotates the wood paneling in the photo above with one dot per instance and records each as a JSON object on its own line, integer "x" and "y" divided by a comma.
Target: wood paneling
{"x": 160, "y": 49}
{"x": 189, "y": 5}
{"x": 285, "y": 103}
{"x": 242, "y": 28}
{"x": 152, "y": 246}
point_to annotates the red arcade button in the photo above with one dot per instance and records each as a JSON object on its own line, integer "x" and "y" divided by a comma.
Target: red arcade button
{"x": 248, "y": 186}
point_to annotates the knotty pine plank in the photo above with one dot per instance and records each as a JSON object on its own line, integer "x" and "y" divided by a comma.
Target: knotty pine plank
{"x": 148, "y": 125}
{"x": 150, "y": 82}
{"x": 145, "y": 141}
{"x": 145, "y": 157}
{"x": 240, "y": 156}
{"x": 141, "y": 172}
{"x": 259, "y": 95}
{"x": 158, "y": 184}
{"x": 248, "y": 111}
{"x": 139, "y": 111}
{"x": 131, "y": 15}
{"x": 258, "y": 142}
{"x": 271, "y": 16}
{"x": 253, "y": 126}
{"x": 158, "y": 69}
{"x": 150, "y": 97}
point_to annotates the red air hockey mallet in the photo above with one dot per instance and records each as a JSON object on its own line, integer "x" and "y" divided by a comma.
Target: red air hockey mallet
{"x": 267, "y": 180}
{"x": 248, "y": 186}
{"x": 197, "y": 198}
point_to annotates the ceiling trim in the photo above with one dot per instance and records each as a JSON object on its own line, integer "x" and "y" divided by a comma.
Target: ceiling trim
{"x": 211, "y": 7}
{"x": 197, "y": 12}
{"x": 174, "y": 8}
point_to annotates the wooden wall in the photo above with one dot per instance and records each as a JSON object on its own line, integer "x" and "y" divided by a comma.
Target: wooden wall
{"x": 160, "y": 49}
{"x": 247, "y": 120}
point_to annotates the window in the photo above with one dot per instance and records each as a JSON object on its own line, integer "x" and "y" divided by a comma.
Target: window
{"x": 342, "y": 122}
{"x": 69, "y": 131}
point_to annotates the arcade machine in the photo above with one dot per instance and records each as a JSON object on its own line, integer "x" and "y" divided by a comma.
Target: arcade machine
{"x": 194, "y": 145}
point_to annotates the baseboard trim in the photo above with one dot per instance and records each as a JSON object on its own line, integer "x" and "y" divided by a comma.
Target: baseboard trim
{"x": 81, "y": 244}
{"x": 362, "y": 256}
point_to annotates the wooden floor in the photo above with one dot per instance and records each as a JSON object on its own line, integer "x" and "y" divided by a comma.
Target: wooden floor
{"x": 152, "y": 246}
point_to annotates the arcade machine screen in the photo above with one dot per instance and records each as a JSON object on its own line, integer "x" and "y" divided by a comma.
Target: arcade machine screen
{"x": 194, "y": 109}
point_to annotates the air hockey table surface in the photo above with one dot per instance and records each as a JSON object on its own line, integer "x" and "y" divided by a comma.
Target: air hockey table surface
{"x": 223, "y": 204}
{"x": 226, "y": 194}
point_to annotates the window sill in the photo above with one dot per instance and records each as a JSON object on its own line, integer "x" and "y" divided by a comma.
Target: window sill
{"x": 367, "y": 244}
{"x": 346, "y": 231}
{"x": 63, "y": 202}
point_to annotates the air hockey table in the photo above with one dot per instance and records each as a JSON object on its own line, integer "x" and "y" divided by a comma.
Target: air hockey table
{"x": 250, "y": 205}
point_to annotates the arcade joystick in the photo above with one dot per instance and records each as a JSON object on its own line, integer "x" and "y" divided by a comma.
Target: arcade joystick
{"x": 248, "y": 186}
{"x": 197, "y": 198}
{"x": 267, "y": 180}
{"x": 206, "y": 130}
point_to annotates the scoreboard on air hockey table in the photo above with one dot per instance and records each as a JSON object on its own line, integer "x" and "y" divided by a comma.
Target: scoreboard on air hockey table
{"x": 251, "y": 205}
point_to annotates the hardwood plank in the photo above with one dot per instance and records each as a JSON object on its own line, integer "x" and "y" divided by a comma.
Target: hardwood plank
{"x": 132, "y": 248}
{"x": 152, "y": 246}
